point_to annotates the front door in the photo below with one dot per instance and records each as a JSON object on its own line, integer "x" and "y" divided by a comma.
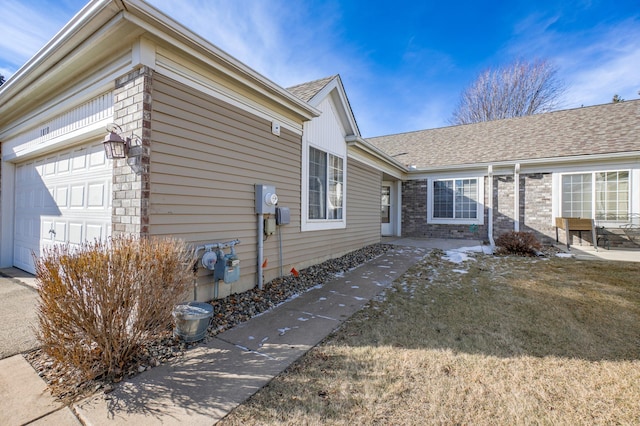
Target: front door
{"x": 386, "y": 210}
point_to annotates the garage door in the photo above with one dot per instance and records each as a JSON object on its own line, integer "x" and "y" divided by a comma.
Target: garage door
{"x": 62, "y": 197}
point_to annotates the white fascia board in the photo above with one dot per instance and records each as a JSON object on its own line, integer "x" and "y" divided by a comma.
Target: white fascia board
{"x": 90, "y": 18}
{"x": 176, "y": 71}
{"x": 357, "y": 143}
{"x": 378, "y": 165}
{"x": 528, "y": 166}
{"x": 165, "y": 28}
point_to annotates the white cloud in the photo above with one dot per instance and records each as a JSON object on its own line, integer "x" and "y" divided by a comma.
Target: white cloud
{"x": 608, "y": 66}
{"x": 25, "y": 28}
{"x": 285, "y": 41}
{"x": 595, "y": 63}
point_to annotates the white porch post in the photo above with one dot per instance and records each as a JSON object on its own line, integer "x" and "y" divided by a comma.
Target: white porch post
{"x": 516, "y": 197}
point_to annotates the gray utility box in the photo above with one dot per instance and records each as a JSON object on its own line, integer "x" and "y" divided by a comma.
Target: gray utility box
{"x": 227, "y": 268}
{"x": 283, "y": 216}
{"x": 266, "y": 199}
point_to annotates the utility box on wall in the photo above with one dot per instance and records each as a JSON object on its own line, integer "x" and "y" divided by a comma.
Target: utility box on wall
{"x": 266, "y": 199}
{"x": 283, "y": 216}
{"x": 227, "y": 268}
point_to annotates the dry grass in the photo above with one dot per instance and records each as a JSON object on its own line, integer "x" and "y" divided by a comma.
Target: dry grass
{"x": 512, "y": 341}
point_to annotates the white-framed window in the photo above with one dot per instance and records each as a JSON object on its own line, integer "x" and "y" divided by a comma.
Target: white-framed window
{"x": 324, "y": 204}
{"x": 324, "y": 171}
{"x": 455, "y": 201}
{"x": 326, "y": 182}
{"x": 596, "y": 195}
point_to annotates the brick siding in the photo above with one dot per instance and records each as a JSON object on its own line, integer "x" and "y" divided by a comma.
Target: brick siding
{"x": 132, "y": 112}
{"x": 534, "y": 215}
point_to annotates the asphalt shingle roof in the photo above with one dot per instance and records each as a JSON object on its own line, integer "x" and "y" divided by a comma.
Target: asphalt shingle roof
{"x": 600, "y": 129}
{"x": 306, "y": 91}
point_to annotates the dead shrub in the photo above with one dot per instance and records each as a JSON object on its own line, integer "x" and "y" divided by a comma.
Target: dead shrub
{"x": 518, "y": 243}
{"x": 100, "y": 303}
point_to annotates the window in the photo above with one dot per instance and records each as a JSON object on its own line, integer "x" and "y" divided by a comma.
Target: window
{"x": 326, "y": 186}
{"x": 597, "y": 195}
{"x": 456, "y": 201}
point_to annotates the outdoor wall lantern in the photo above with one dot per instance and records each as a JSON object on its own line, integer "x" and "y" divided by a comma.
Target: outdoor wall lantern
{"x": 114, "y": 145}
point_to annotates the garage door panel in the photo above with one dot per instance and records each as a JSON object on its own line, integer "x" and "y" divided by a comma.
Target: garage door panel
{"x": 69, "y": 194}
{"x": 75, "y": 233}
{"x": 97, "y": 195}
{"x": 97, "y": 231}
{"x": 77, "y": 196}
{"x": 62, "y": 196}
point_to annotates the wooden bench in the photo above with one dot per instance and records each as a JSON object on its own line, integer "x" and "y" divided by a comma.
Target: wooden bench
{"x": 576, "y": 224}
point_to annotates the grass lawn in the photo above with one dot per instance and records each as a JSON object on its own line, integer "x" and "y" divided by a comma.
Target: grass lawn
{"x": 494, "y": 340}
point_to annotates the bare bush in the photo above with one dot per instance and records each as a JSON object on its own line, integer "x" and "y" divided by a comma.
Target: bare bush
{"x": 102, "y": 302}
{"x": 518, "y": 243}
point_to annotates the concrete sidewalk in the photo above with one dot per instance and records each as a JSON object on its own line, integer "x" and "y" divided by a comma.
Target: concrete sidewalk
{"x": 211, "y": 379}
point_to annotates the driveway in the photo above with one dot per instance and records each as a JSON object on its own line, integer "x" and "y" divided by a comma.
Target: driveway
{"x": 17, "y": 317}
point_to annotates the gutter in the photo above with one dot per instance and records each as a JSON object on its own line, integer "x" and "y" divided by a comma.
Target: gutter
{"x": 532, "y": 162}
{"x": 97, "y": 13}
{"x": 359, "y": 142}
{"x": 73, "y": 27}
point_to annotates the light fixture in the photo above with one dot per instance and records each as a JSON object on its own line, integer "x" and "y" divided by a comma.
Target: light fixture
{"x": 114, "y": 145}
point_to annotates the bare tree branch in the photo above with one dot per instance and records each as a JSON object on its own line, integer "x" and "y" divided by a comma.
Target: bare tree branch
{"x": 518, "y": 89}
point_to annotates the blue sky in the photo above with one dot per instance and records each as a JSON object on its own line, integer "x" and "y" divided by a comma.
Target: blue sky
{"x": 403, "y": 63}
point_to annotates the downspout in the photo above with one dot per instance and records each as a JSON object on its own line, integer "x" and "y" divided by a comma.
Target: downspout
{"x": 516, "y": 197}
{"x": 399, "y": 209}
{"x": 490, "y": 212}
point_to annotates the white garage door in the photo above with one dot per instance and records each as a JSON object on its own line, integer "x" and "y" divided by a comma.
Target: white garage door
{"x": 62, "y": 197}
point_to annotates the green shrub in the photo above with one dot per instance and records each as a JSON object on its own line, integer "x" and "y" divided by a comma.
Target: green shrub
{"x": 518, "y": 243}
{"x": 100, "y": 303}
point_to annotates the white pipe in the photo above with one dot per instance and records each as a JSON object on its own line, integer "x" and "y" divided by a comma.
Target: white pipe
{"x": 280, "y": 247}
{"x": 490, "y": 213}
{"x": 516, "y": 198}
{"x": 260, "y": 248}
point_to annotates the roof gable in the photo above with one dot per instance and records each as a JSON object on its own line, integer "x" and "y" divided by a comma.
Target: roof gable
{"x": 315, "y": 92}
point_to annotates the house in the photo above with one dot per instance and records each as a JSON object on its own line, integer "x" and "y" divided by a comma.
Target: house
{"x": 481, "y": 180}
{"x": 205, "y": 132}
{"x": 215, "y": 150}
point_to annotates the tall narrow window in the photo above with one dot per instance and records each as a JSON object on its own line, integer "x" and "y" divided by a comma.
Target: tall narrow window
{"x": 612, "y": 195}
{"x": 577, "y": 195}
{"x": 317, "y": 184}
{"x": 326, "y": 185}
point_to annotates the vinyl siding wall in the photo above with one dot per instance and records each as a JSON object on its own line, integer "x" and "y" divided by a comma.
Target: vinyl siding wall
{"x": 206, "y": 157}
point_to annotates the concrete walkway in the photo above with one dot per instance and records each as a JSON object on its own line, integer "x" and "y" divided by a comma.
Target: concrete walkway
{"x": 587, "y": 252}
{"x": 211, "y": 379}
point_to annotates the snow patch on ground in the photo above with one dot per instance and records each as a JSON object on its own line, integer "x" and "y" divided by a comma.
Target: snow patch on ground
{"x": 460, "y": 255}
{"x": 460, "y": 271}
{"x": 564, "y": 254}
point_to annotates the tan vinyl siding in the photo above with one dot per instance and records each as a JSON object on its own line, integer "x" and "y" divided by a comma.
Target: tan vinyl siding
{"x": 206, "y": 157}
